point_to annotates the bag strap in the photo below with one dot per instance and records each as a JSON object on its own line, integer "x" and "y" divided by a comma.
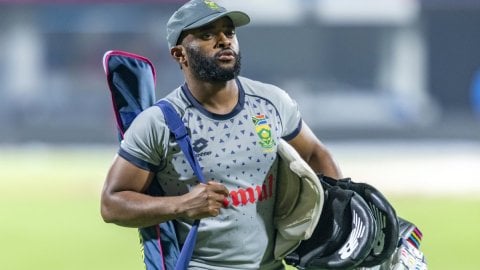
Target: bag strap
{"x": 177, "y": 127}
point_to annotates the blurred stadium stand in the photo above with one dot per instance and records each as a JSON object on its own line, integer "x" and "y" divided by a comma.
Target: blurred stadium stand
{"x": 359, "y": 69}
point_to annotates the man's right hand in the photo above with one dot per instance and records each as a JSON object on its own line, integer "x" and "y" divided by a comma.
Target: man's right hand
{"x": 125, "y": 203}
{"x": 204, "y": 200}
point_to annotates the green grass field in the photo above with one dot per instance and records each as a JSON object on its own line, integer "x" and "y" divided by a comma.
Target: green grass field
{"x": 49, "y": 216}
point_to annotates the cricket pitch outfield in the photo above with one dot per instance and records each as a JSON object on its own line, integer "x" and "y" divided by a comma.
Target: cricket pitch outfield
{"x": 50, "y": 211}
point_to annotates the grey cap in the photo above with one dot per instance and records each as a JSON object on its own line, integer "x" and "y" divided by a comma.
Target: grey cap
{"x": 197, "y": 13}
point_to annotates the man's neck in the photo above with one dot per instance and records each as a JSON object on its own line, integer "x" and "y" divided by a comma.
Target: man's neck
{"x": 215, "y": 97}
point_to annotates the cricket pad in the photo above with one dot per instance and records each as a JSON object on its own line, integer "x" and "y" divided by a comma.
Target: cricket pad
{"x": 299, "y": 200}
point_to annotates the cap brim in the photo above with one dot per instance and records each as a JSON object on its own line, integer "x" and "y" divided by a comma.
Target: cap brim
{"x": 238, "y": 18}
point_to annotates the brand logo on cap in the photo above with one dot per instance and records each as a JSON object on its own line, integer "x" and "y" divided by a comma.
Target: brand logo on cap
{"x": 211, "y": 4}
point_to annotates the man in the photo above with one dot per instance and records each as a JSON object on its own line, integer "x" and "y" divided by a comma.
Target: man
{"x": 234, "y": 124}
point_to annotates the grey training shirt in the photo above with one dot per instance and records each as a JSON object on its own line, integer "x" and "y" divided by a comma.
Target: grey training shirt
{"x": 239, "y": 150}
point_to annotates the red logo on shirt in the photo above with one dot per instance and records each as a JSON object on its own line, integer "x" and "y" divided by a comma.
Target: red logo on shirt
{"x": 243, "y": 196}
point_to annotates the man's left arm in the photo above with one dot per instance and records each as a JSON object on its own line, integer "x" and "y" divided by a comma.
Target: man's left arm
{"x": 315, "y": 153}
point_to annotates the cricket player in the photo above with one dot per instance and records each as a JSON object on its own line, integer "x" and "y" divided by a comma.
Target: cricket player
{"x": 235, "y": 124}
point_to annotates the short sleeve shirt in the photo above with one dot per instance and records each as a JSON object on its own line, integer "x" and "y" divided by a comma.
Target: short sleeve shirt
{"x": 239, "y": 150}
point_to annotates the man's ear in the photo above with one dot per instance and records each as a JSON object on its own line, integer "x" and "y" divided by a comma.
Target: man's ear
{"x": 178, "y": 54}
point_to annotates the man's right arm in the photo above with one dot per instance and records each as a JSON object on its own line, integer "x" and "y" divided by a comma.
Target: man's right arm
{"x": 124, "y": 203}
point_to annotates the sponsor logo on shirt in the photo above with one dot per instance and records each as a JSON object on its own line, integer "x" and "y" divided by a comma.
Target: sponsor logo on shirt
{"x": 251, "y": 195}
{"x": 199, "y": 145}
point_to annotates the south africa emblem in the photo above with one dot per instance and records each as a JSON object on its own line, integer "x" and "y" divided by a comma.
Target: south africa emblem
{"x": 262, "y": 128}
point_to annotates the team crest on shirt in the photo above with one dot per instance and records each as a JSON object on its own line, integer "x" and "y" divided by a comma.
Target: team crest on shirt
{"x": 264, "y": 132}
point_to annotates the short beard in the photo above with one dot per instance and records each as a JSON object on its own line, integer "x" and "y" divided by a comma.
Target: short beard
{"x": 207, "y": 69}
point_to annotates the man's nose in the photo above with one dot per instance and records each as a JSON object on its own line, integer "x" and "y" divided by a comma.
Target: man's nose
{"x": 223, "y": 41}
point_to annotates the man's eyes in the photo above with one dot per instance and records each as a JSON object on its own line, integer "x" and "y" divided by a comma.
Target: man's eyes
{"x": 210, "y": 35}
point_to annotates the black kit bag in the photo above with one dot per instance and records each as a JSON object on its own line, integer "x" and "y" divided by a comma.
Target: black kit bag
{"x": 343, "y": 237}
{"x": 385, "y": 217}
{"x": 358, "y": 228}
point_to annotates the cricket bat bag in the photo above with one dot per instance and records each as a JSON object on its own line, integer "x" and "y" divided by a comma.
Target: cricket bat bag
{"x": 131, "y": 80}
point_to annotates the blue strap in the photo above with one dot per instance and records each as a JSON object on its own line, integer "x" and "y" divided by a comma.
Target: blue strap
{"x": 177, "y": 127}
